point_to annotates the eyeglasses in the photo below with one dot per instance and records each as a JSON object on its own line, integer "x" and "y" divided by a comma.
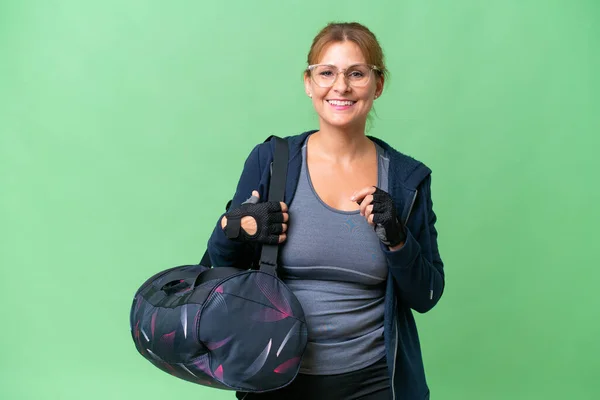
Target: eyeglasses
{"x": 325, "y": 75}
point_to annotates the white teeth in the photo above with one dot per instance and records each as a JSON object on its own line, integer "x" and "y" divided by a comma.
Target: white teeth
{"x": 340, "y": 103}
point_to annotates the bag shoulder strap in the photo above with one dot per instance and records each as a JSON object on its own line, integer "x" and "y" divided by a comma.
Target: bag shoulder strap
{"x": 268, "y": 257}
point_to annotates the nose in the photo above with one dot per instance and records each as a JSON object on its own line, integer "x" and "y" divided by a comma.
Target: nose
{"x": 340, "y": 84}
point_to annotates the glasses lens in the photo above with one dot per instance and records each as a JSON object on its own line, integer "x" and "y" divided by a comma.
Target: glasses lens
{"x": 358, "y": 75}
{"x": 324, "y": 75}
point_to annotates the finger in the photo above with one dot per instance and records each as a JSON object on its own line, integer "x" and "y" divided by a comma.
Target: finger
{"x": 274, "y": 207}
{"x": 252, "y": 199}
{"x": 365, "y": 203}
{"x": 380, "y": 196}
{"x": 378, "y": 207}
{"x": 368, "y": 211}
{"x": 284, "y": 206}
{"x": 371, "y": 219}
{"x": 272, "y": 239}
{"x": 277, "y": 228}
{"x": 286, "y": 217}
{"x": 282, "y": 238}
{"x": 277, "y": 217}
{"x": 359, "y": 195}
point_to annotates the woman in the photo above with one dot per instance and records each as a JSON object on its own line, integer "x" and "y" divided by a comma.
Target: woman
{"x": 359, "y": 245}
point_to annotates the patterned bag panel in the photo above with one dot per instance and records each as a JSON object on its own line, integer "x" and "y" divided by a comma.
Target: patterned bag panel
{"x": 245, "y": 331}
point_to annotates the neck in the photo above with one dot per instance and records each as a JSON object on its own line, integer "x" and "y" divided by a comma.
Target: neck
{"x": 341, "y": 144}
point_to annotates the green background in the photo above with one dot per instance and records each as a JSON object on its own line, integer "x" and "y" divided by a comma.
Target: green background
{"x": 124, "y": 126}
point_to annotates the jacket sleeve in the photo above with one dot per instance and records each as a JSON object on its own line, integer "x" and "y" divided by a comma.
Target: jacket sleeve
{"x": 222, "y": 251}
{"x": 417, "y": 267}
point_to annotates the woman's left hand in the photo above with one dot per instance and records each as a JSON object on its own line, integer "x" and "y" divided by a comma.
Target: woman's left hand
{"x": 378, "y": 209}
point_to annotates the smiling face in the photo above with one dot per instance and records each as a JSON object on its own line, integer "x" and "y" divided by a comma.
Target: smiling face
{"x": 342, "y": 105}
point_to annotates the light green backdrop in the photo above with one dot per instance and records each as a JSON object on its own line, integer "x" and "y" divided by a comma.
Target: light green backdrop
{"x": 124, "y": 126}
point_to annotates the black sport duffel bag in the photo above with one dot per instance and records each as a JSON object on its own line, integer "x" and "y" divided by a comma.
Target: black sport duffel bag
{"x": 224, "y": 327}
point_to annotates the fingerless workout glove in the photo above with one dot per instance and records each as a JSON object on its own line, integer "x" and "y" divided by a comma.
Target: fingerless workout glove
{"x": 269, "y": 219}
{"x": 387, "y": 227}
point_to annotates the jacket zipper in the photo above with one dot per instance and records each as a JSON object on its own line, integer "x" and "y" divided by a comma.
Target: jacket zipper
{"x": 412, "y": 203}
{"x": 409, "y": 212}
{"x": 395, "y": 354}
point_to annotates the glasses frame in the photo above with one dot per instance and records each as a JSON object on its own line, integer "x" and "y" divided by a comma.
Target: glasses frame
{"x": 311, "y": 67}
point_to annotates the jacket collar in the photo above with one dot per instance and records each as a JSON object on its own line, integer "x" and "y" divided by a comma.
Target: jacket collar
{"x": 405, "y": 170}
{"x": 405, "y": 173}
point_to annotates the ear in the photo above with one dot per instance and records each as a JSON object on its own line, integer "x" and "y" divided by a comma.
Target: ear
{"x": 379, "y": 86}
{"x": 307, "y": 84}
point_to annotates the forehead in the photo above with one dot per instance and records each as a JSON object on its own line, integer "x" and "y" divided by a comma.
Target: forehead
{"x": 341, "y": 53}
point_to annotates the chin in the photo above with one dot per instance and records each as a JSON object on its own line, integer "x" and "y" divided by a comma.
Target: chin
{"x": 344, "y": 122}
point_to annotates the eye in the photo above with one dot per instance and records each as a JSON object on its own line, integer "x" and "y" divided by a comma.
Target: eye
{"x": 326, "y": 73}
{"x": 356, "y": 74}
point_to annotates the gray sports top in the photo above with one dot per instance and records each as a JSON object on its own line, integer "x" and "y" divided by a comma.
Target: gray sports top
{"x": 333, "y": 263}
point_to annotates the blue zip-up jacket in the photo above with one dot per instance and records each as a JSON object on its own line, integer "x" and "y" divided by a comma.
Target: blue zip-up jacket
{"x": 416, "y": 275}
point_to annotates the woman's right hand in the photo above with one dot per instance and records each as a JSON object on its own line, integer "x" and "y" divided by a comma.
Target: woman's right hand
{"x": 257, "y": 222}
